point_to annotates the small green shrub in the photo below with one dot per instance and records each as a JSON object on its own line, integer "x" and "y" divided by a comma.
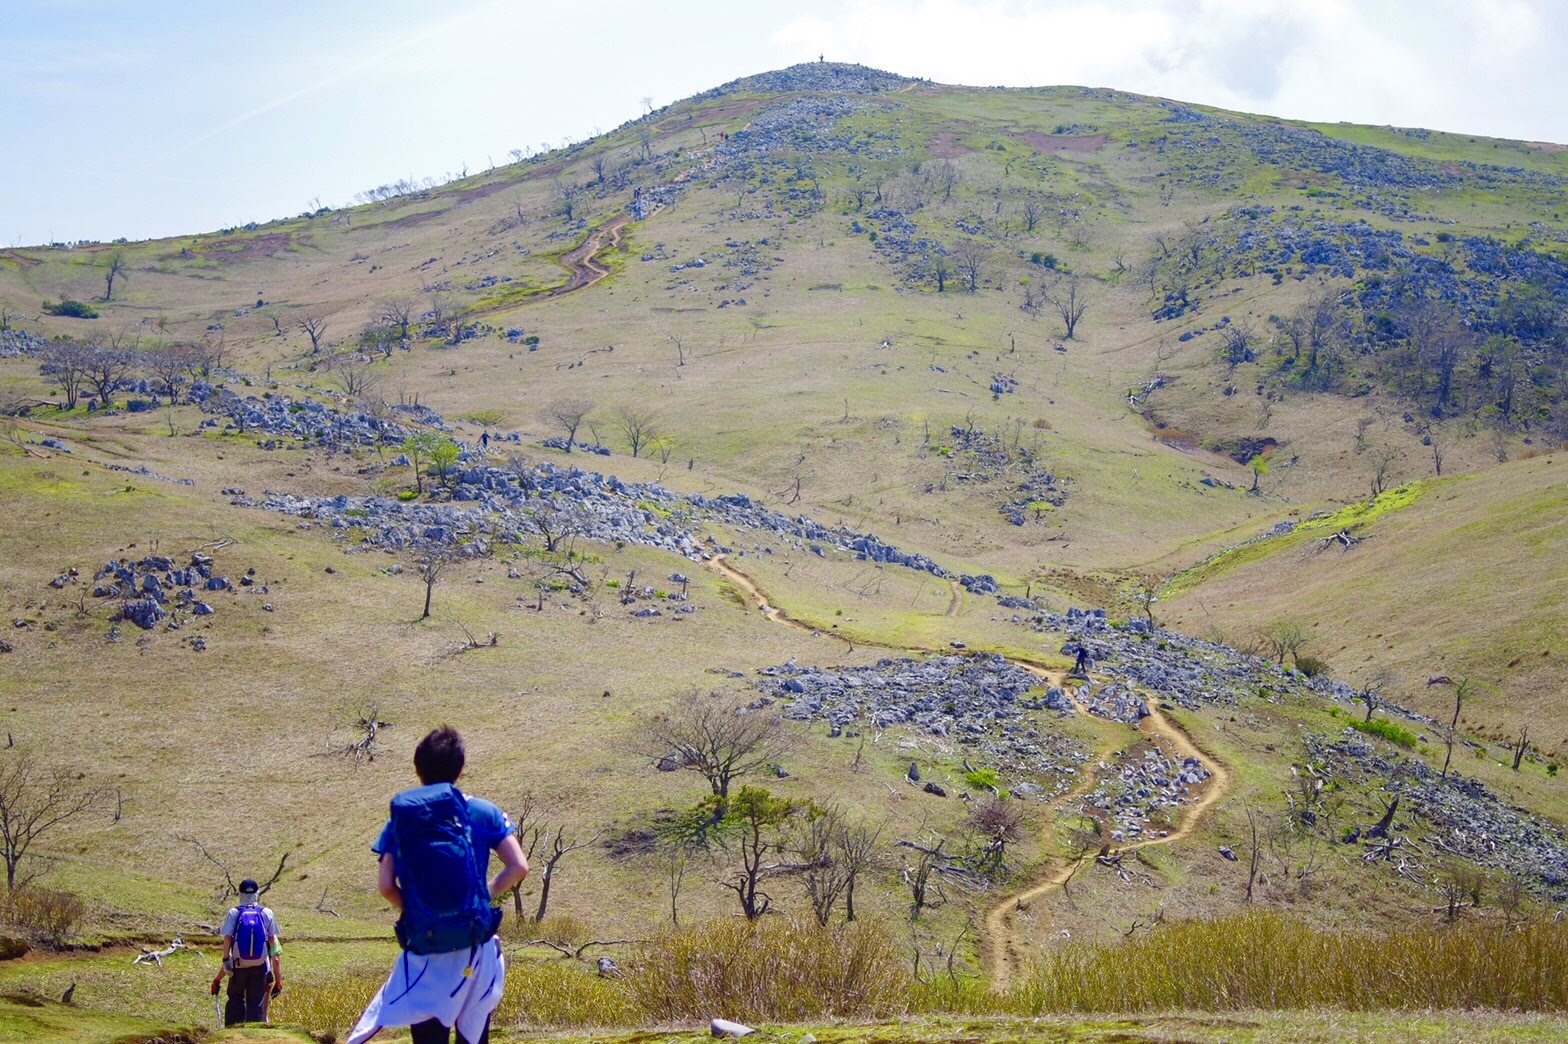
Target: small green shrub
{"x": 1311, "y": 666}
{"x": 1387, "y": 730}
{"x": 408, "y": 494}
{"x": 71, "y": 309}
{"x": 984, "y": 779}
{"x": 1551, "y": 768}
{"x": 487, "y": 418}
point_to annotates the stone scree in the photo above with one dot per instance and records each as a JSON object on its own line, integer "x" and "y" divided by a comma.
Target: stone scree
{"x": 979, "y": 702}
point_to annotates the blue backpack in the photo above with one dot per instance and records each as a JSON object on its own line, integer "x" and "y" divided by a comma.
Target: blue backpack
{"x": 250, "y": 936}
{"x": 446, "y": 899}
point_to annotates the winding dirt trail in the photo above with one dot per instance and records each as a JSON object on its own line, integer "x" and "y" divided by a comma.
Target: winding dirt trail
{"x": 1002, "y": 945}
{"x": 581, "y": 264}
{"x": 1001, "y": 940}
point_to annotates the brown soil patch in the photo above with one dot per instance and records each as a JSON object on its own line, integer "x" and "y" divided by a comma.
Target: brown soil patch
{"x": 1083, "y": 143}
{"x": 247, "y": 248}
{"x": 19, "y": 259}
{"x": 946, "y": 145}
{"x": 1547, "y": 146}
{"x": 406, "y": 221}
{"x": 481, "y": 191}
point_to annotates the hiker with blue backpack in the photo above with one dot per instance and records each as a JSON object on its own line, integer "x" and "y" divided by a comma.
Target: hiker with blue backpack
{"x": 434, "y": 858}
{"x": 252, "y": 959}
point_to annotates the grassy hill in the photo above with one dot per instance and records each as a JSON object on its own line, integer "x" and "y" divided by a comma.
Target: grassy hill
{"x": 838, "y": 293}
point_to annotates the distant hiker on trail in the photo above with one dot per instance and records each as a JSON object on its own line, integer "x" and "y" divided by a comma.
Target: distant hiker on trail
{"x": 1081, "y": 665}
{"x": 252, "y": 958}
{"x": 434, "y": 856}
{"x": 484, "y": 440}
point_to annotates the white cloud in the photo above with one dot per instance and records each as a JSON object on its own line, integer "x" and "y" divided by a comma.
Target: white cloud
{"x": 1488, "y": 68}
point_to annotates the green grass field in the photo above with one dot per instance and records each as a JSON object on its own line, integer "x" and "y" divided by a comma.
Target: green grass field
{"x": 806, "y": 363}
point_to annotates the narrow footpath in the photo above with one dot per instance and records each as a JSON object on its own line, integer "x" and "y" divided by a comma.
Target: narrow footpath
{"x": 1004, "y": 942}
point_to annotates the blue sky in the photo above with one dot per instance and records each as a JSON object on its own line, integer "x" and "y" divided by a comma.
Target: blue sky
{"x": 147, "y": 119}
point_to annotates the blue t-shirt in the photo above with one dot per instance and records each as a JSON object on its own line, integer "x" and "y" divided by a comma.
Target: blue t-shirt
{"x": 490, "y": 825}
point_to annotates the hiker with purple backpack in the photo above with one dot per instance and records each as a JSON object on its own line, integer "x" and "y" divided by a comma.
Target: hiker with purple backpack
{"x": 252, "y": 959}
{"x": 434, "y": 859}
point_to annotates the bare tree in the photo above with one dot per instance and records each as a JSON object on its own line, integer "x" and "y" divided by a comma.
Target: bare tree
{"x": 1286, "y": 638}
{"x": 1379, "y": 681}
{"x": 447, "y": 319}
{"x": 355, "y": 378}
{"x": 568, "y": 415}
{"x": 639, "y": 428}
{"x": 971, "y": 257}
{"x": 1068, "y": 298}
{"x": 717, "y": 737}
{"x": 170, "y": 367}
{"x": 567, "y": 192}
{"x": 431, "y": 568}
{"x": 105, "y": 368}
{"x": 558, "y": 525}
{"x": 815, "y": 843}
{"x": 940, "y": 267}
{"x": 1521, "y": 746}
{"x": 1461, "y": 691}
{"x": 230, "y": 888}
{"x": 396, "y": 312}
{"x": 994, "y": 824}
{"x": 558, "y": 847}
{"x": 1381, "y": 466}
{"x": 366, "y": 724}
{"x": 66, "y": 362}
{"x": 33, "y": 801}
{"x": 854, "y": 848}
{"x": 1030, "y": 211}
{"x": 1146, "y": 592}
{"x": 924, "y": 877}
{"x": 314, "y": 326}
{"x": 946, "y": 177}
{"x": 113, "y": 268}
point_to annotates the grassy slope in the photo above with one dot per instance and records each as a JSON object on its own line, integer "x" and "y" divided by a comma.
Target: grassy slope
{"x": 1435, "y": 569}
{"x": 793, "y": 384}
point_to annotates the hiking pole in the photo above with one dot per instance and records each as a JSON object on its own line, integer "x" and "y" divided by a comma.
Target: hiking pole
{"x": 217, "y": 1009}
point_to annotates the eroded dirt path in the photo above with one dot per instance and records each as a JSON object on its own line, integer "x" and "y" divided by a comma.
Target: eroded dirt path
{"x": 1003, "y": 939}
{"x": 1003, "y": 945}
{"x": 581, "y": 263}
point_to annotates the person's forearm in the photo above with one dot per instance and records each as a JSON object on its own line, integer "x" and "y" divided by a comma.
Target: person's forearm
{"x": 506, "y": 880}
{"x": 386, "y": 882}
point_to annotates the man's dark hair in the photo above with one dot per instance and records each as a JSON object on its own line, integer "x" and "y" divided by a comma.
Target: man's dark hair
{"x": 439, "y": 756}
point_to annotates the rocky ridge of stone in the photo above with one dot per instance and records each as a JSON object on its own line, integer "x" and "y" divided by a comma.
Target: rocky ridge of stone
{"x": 1457, "y": 815}
{"x": 979, "y": 702}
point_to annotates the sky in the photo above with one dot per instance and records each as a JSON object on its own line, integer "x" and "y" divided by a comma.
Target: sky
{"x": 149, "y": 118}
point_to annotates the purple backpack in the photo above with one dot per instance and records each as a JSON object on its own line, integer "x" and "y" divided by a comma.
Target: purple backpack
{"x": 250, "y": 936}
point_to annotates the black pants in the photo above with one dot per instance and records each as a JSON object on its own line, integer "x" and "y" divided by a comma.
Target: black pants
{"x": 248, "y": 995}
{"x": 432, "y": 1032}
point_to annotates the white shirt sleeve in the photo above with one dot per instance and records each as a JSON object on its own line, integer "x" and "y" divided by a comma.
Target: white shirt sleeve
{"x": 229, "y": 920}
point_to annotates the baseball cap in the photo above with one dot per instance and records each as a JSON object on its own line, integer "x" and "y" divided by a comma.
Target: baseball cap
{"x": 248, "y": 886}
